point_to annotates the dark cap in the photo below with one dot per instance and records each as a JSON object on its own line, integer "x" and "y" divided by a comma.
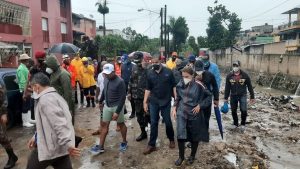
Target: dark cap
{"x": 237, "y": 62}
{"x": 199, "y": 66}
{"x": 192, "y": 58}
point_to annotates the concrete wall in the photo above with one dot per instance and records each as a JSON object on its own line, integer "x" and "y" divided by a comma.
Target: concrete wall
{"x": 268, "y": 63}
{"x": 275, "y": 48}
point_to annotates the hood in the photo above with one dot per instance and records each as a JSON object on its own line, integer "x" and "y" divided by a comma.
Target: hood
{"x": 52, "y": 62}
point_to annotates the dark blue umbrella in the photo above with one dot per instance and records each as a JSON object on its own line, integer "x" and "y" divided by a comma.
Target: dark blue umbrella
{"x": 64, "y": 48}
{"x": 219, "y": 120}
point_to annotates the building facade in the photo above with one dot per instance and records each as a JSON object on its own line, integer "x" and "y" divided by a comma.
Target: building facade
{"x": 32, "y": 25}
{"x": 83, "y": 26}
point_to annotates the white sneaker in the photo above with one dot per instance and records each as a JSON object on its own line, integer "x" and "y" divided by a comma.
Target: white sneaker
{"x": 27, "y": 124}
{"x": 32, "y": 121}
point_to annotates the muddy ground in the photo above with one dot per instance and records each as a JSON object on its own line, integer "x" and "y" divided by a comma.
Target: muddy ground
{"x": 271, "y": 140}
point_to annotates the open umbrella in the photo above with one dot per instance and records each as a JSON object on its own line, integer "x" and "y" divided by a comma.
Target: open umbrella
{"x": 64, "y": 48}
{"x": 219, "y": 120}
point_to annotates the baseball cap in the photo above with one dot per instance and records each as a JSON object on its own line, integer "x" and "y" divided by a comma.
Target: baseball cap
{"x": 65, "y": 56}
{"x": 108, "y": 68}
{"x": 24, "y": 57}
{"x": 236, "y": 63}
{"x": 192, "y": 58}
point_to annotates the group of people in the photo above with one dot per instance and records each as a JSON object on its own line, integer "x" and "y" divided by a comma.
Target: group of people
{"x": 49, "y": 91}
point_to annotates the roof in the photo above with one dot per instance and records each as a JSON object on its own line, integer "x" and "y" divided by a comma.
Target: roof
{"x": 80, "y": 16}
{"x": 293, "y": 11}
{"x": 288, "y": 31}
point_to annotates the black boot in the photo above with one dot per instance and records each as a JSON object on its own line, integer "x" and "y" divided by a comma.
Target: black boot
{"x": 12, "y": 159}
{"x": 88, "y": 102}
{"x": 93, "y": 102}
{"x": 132, "y": 115}
{"x": 142, "y": 136}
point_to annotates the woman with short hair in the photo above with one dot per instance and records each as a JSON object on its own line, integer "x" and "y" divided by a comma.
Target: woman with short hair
{"x": 192, "y": 98}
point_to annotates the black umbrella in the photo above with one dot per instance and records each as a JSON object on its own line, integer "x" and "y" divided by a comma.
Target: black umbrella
{"x": 64, "y": 48}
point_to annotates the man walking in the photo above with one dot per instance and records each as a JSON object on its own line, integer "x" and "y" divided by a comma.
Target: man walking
{"x": 22, "y": 76}
{"x": 126, "y": 70}
{"x": 212, "y": 67}
{"x": 159, "y": 90}
{"x": 60, "y": 79}
{"x": 4, "y": 141}
{"x": 53, "y": 141}
{"x": 114, "y": 94}
{"x": 236, "y": 86}
{"x": 137, "y": 86}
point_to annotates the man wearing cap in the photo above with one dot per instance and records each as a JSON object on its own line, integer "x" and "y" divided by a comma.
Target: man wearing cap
{"x": 77, "y": 64}
{"x": 70, "y": 68}
{"x": 171, "y": 63}
{"x": 192, "y": 60}
{"x": 114, "y": 94}
{"x": 208, "y": 79}
{"x": 88, "y": 82}
{"x": 212, "y": 67}
{"x": 22, "y": 76}
{"x": 236, "y": 86}
{"x": 159, "y": 90}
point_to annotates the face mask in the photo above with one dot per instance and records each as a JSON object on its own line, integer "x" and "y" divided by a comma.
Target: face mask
{"x": 173, "y": 59}
{"x": 199, "y": 72}
{"x": 156, "y": 66}
{"x": 236, "y": 69}
{"x": 49, "y": 70}
{"x": 66, "y": 62}
{"x": 206, "y": 63}
{"x": 186, "y": 81}
{"x": 119, "y": 61}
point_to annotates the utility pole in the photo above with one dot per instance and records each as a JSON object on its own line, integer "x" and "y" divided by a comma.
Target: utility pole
{"x": 165, "y": 31}
{"x": 161, "y": 28}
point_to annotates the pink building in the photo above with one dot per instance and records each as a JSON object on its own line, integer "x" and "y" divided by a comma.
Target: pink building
{"x": 32, "y": 25}
{"x": 83, "y": 26}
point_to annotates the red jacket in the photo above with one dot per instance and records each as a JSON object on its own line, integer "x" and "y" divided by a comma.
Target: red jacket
{"x": 71, "y": 69}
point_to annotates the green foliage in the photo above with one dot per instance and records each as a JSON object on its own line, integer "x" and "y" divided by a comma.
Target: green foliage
{"x": 180, "y": 31}
{"x": 102, "y": 8}
{"x": 111, "y": 45}
{"x": 192, "y": 43}
{"x": 223, "y": 27}
{"x": 202, "y": 42}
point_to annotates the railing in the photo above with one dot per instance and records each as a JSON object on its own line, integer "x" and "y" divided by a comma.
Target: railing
{"x": 292, "y": 43}
{"x": 288, "y": 25}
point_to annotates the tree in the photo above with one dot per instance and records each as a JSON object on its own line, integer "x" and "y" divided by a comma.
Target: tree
{"x": 223, "y": 27}
{"x": 179, "y": 30}
{"x": 192, "y": 43}
{"x": 103, "y": 9}
{"x": 109, "y": 45}
{"x": 202, "y": 42}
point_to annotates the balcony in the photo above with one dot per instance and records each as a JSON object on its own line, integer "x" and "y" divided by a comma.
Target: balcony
{"x": 292, "y": 43}
{"x": 292, "y": 25}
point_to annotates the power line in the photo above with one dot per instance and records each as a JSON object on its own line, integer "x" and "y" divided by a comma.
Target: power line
{"x": 267, "y": 10}
{"x": 151, "y": 25}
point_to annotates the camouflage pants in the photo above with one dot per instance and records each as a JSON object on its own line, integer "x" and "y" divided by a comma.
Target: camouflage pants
{"x": 4, "y": 141}
{"x": 142, "y": 118}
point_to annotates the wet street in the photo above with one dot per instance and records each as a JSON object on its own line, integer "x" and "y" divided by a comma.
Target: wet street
{"x": 272, "y": 140}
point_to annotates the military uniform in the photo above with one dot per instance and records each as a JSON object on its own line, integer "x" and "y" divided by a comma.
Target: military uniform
{"x": 137, "y": 85}
{"x": 4, "y": 141}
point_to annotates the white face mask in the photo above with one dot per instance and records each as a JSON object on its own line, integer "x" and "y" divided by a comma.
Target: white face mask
{"x": 199, "y": 72}
{"x": 186, "y": 80}
{"x": 49, "y": 70}
{"x": 34, "y": 95}
{"x": 236, "y": 69}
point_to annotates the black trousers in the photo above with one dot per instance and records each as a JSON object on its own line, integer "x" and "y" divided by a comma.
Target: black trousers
{"x": 81, "y": 93}
{"x": 142, "y": 118}
{"x": 207, "y": 114}
{"x": 63, "y": 162}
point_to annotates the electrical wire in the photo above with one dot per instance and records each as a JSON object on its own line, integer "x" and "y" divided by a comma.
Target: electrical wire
{"x": 151, "y": 25}
{"x": 267, "y": 10}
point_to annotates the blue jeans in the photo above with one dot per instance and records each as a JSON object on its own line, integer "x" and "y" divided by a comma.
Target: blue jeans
{"x": 154, "y": 116}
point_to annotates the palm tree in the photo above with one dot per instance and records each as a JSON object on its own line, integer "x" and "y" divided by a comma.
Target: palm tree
{"x": 179, "y": 30}
{"x": 103, "y": 9}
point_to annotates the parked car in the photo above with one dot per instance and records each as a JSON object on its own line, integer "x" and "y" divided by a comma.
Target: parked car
{"x": 8, "y": 80}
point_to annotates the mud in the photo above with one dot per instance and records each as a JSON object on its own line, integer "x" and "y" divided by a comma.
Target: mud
{"x": 271, "y": 140}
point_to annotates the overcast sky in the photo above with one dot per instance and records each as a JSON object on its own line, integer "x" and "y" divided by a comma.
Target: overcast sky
{"x": 124, "y": 13}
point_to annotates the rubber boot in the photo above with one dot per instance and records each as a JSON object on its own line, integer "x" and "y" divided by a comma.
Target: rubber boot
{"x": 26, "y": 120}
{"x": 12, "y": 159}
{"x": 88, "y": 102}
{"x": 142, "y": 136}
{"x": 93, "y": 102}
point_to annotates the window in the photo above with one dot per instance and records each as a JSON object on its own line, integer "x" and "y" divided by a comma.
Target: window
{"x": 63, "y": 8}
{"x": 45, "y": 29}
{"x": 63, "y": 3}
{"x": 63, "y": 28}
{"x": 44, "y": 5}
